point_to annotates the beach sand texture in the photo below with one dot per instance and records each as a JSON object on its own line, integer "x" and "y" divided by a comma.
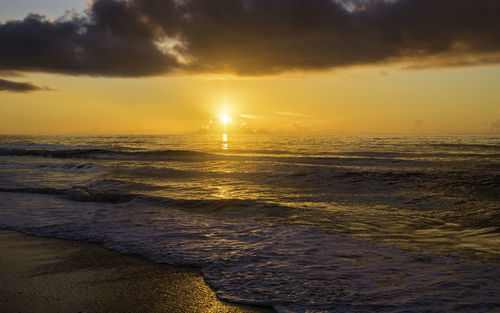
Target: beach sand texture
{"x": 52, "y": 275}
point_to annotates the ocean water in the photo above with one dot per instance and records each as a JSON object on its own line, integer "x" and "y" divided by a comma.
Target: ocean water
{"x": 299, "y": 223}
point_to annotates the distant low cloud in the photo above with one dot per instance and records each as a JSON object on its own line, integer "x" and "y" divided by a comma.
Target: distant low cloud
{"x": 215, "y": 125}
{"x": 252, "y": 37}
{"x": 417, "y": 125}
{"x": 292, "y": 114}
{"x": 7, "y": 85}
{"x": 249, "y": 116}
{"x": 495, "y": 126}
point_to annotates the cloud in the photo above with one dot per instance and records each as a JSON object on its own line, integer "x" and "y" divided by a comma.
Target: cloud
{"x": 249, "y": 116}
{"x": 215, "y": 125}
{"x": 10, "y": 74}
{"x": 417, "y": 125}
{"x": 7, "y": 85}
{"x": 292, "y": 114}
{"x": 252, "y": 37}
{"x": 495, "y": 126}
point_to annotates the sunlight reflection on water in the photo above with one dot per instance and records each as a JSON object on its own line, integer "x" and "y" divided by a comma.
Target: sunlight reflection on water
{"x": 225, "y": 144}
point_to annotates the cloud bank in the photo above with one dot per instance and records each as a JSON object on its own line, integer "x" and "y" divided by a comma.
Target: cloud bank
{"x": 252, "y": 37}
{"x": 7, "y": 85}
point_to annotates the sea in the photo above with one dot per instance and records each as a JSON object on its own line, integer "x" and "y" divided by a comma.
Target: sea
{"x": 300, "y": 223}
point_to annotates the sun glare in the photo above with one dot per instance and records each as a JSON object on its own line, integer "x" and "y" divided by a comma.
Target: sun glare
{"x": 225, "y": 119}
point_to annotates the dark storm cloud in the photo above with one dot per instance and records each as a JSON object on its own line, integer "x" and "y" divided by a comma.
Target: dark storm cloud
{"x": 110, "y": 40}
{"x": 7, "y": 85}
{"x": 150, "y": 37}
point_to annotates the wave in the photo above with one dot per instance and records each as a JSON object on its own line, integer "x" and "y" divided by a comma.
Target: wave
{"x": 227, "y": 207}
{"x": 45, "y": 146}
{"x": 159, "y": 173}
{"x": 68, "y": 153}
{"x": 101, "y": 153}
{"x": 56, "y": 166}
{"x": 260, "y": 151}
{"x": 189, "y": 155}
{"x": 418, "y": 155}
{"x": 462, "y": 146}
{"x": 38, "y": 190}
{"x": 79, "y": 194}
{"x": 374, "y": 154}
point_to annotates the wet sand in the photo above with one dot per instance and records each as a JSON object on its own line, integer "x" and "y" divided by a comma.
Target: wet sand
{"x": 53, "y": 275}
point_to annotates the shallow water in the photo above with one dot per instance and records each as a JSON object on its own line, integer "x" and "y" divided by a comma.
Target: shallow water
{"x": 301, "y": 223}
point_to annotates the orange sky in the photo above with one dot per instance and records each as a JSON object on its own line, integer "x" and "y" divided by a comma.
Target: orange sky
{"x": 363, "y": 100}
{"x": 454, "y": 91}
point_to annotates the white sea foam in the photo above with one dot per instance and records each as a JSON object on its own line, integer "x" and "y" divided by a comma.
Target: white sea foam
{"x": 250, "y": 261}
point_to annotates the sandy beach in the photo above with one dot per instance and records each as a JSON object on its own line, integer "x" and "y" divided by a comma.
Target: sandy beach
{"x": 52, "y": 275}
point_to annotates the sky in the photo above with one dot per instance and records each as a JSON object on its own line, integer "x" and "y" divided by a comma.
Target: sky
{"x": 274, "y": 66}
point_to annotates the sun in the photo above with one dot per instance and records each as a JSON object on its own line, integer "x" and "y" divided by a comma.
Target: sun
{"x": 225, "y": 119}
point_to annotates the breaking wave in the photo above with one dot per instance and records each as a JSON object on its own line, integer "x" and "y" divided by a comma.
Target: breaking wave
{"x": 97, "y": 153}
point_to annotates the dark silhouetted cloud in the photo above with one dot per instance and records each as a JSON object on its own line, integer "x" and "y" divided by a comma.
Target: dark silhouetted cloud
{"x": 7, "y": 85}
{"x": 252, "y": 37}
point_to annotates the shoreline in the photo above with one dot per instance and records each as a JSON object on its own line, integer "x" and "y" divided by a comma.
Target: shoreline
{"x": 42, "y": 274}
